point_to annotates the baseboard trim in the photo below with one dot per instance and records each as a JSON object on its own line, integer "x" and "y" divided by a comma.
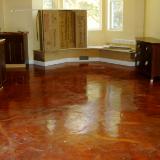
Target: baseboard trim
{"x": 31, "y": 61}
{"x": 71, "y": 60}
{"x": 118, "y": 62}
{"x": 39, "y": 63}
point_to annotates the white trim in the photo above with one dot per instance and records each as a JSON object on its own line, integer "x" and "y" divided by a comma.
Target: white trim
{"x": 39, "y": 63}
{"x": 94, "y": 59}
{"x": 31, "y": 61}
{"x": 118, "y": 62}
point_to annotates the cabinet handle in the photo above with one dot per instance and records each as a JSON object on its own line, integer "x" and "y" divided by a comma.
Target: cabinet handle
{"x": 138, "y": 45}
{"x": 138, "y": 63}
{"x": 146, "y": 63}
{"x": 147, "y": 48}
{"x": 138, "y": 52}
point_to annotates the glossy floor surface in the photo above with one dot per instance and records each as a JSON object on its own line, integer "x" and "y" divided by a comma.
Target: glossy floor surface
{"x": 79, "y": 112}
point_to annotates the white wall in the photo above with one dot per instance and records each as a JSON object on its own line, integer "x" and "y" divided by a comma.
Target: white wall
{"x": 18, "y": 17}
{"x": 36, "y": 4}
{"x": 152, "y": 19}
{"x": 1, "y": 15}
{"x": 133, "y": 24}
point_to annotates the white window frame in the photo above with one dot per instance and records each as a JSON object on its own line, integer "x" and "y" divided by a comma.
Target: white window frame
{"x": 111, "y": 18}
{"x": 100, "y": 24}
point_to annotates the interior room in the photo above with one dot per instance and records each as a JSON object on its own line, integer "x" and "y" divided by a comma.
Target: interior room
{"x": 79, "y": 79}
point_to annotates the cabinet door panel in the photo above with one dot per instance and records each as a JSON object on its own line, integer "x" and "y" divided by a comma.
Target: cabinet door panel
{"x": 143, "y": 58}
{"x": 16, "y": 47}
{"x": 2, "y": 63}
{"x": 148, "y": 56}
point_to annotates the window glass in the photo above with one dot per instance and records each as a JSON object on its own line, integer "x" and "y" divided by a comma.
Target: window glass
{"x": 115, "y": 15}
{"x": 94, "y": 11}
{"x": 47, "y": 4}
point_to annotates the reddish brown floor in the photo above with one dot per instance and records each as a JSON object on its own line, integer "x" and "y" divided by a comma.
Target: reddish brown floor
{"x": 79, "y": 112}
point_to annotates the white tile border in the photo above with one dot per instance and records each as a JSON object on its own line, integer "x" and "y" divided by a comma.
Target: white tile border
{"x": 71, "y": 60}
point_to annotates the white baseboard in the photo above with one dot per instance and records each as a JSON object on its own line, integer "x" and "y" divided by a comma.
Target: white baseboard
{"x": 118, "y": 62}
{"x": 39, "y": 63}
{"x": 31, "y": 61}
{"x": 71, "y": 60}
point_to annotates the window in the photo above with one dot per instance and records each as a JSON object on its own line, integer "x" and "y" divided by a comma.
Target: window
{"x": 47, "y": 4}
{"x": 94, "y": 8}
{"x": 115, "y": 15}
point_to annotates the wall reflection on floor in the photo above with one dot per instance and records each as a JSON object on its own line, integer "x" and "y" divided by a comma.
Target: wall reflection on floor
{"x": 113, "y": 110}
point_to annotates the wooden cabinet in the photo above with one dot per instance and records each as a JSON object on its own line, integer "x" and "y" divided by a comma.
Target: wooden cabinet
{"x": 61, "y": 29}
{"x": 16, "y": 47}
{"x": 2, "y": 63}
{"x": 148, "y": 57}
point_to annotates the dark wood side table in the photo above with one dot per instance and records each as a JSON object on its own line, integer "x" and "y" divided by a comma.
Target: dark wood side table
{"x": 16, "y": 47}
{"x": 2, "y": 63}
{"x": 148, "y": 57}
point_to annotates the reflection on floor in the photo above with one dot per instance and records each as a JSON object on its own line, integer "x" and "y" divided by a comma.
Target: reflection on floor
{"x": 82, "y": 112}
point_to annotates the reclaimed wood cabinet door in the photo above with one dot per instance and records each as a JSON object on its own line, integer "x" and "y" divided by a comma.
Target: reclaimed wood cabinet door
{"x": 2, "y": 63}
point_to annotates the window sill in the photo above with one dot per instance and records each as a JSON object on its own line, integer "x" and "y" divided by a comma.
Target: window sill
{"x": 114, "y": 30}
